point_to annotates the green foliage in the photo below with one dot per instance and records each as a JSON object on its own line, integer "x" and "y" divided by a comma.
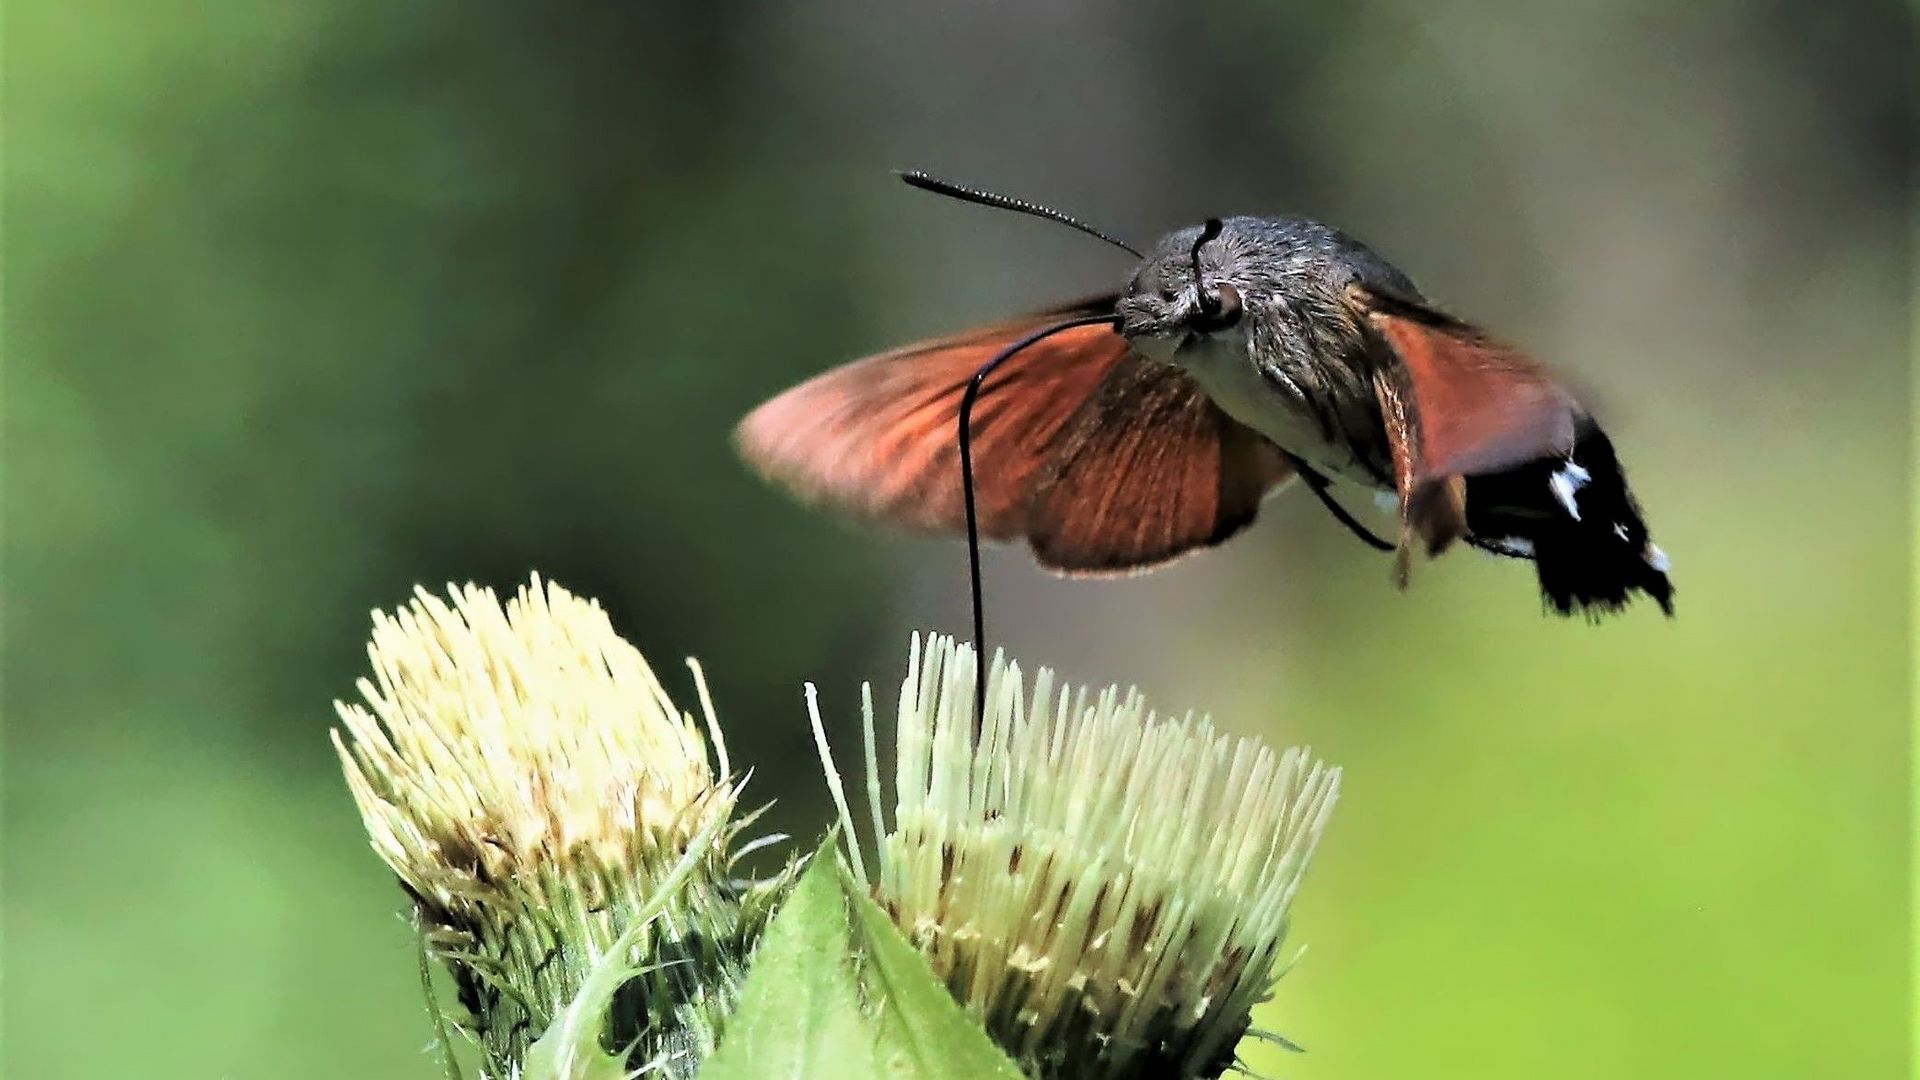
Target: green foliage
{"x": 923, "y": 1033}
{"x": 801, "y": 1013}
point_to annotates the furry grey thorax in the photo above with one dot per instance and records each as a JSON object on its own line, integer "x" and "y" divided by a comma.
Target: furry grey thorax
{"x": 1297, "y": 366}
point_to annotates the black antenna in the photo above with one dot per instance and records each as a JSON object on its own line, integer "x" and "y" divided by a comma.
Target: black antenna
{"x": 966, "y": 487}
{"x": 1003, "y": 202}
{"x": 1209, "y": 305}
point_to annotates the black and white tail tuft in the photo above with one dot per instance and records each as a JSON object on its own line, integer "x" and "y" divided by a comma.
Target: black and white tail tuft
{"x": 1574, "y": 516}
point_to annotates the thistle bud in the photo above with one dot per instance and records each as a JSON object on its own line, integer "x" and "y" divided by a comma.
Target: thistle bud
{"x": 540, "y": 798}
{"x": 1107, "y": 891}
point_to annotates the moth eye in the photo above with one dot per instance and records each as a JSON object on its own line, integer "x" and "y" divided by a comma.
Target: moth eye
{"x": 1229, "y": 305}
{"x": 1219, "y": 311}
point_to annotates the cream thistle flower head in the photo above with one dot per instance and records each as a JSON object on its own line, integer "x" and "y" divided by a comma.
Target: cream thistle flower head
{"x": 1105, "y": 890}
{"x": 541, "y": 799}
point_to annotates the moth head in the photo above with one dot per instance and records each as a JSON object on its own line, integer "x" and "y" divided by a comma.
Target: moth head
{"x": 1190, "y": 286}
{"x": 1278, "y": 282}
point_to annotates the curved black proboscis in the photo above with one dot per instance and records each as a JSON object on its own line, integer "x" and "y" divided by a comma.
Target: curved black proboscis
{"x": 966, "y": 487}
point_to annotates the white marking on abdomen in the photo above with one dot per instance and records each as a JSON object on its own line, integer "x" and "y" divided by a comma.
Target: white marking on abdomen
{"x": 1569, "y": 479}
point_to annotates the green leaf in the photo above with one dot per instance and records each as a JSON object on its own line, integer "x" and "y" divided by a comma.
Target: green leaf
{"x": 800, "y": 1016}
{"x": 923, "y": 1032}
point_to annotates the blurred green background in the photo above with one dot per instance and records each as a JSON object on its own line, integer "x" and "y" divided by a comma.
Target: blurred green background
{"x": 308, "y": 303}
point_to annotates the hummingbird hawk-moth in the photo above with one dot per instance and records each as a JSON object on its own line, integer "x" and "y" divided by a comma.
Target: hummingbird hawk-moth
{"x": 1133, "y": 427}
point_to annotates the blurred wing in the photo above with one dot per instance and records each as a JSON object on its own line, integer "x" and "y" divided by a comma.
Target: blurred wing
{"x": 1432, "y": 508}
{"x": 1148, "y": 469}
{"x": 1476, "y": 406}
{"x": 878, "y": 437}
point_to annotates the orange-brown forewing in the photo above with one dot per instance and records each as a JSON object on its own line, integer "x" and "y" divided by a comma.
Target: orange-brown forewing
{"x": 878, "y": 437}
{"x": 1148, "y": 469}
{"x": 1456, "y": 404}
{"x": 1478, "y": 406}
{"x": 1103, "y": 460}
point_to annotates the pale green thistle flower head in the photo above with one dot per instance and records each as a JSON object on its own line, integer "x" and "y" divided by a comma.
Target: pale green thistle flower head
{"x": 540, "y": 797}
{"x": 1106, "y": 890}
